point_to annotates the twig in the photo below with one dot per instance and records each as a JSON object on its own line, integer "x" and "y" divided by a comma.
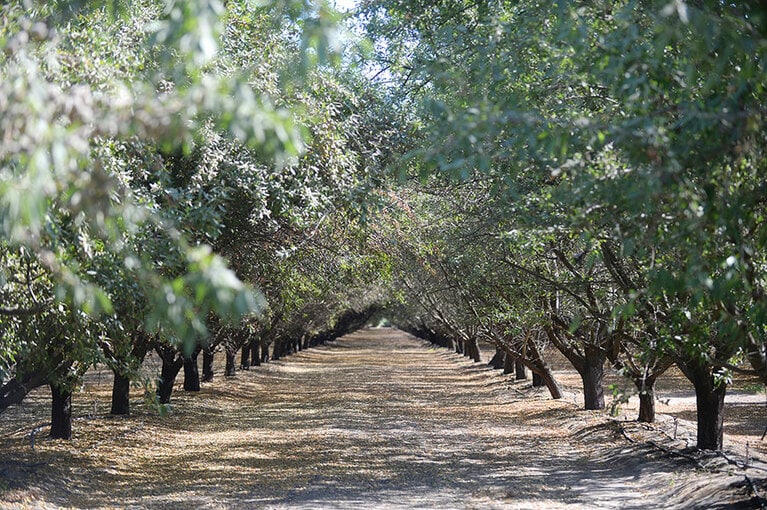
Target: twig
{"x": 759, "y": 499}
{"x": 673, "y": 453}
{"x": 35, "y": 431}
{"x": 625, "y": 434}
{"x": 743, "y": 465}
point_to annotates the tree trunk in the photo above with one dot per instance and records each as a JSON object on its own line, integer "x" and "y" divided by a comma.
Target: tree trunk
{"x": 592, "y": 374}
{"x": 14, "y": 391}
{"x": 191, "y": 373}
{"x": 538, "y": 380}
{"x": 520, "y": 370}
{"x": 255, "y": 352}
{"x": 170, "y": 369}
{"x": 142, "y": 342}
{"x": 264, "y": 353}
{"x": 244, "y": 358}
{"x": 276, "y": 350}
{"x": 207, "y": 365}
{"x": 647, "y": 405}
{"x": 710, "y": 406}
{"x": 508, "y": 363}
{"x": 472, "y": 350}
{"x": 709, "y": 402}
{"x": 757, "y": 356}
{"x": 498, "y": 360}
{"x": 120, "y": 394}
{"x": 547, "y": 378}
{"x": 230, "y": 361}
{"x": 539, "y": 367}
{"x": 61, "y": 413}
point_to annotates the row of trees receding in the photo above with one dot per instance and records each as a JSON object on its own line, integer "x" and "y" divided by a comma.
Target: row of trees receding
{"x": 587, "y": 176}
{"x": 197, "y": 176}
{"x": 179, "y": 178}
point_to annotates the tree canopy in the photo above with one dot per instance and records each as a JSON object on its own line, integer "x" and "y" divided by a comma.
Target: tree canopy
{"x": 584, "y": 176}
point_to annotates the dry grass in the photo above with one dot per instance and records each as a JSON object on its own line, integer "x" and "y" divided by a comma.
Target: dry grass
{"x": 378, "y": 419}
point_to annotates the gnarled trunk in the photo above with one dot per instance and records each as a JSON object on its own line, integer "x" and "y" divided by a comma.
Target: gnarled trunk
{"x": 647, "y": 405}
{"x": 520, "y": 370}
{"x": 244, "y": 358}
{"x": 170, "y": 368}
{"x": 539, "y": 367}
{"x": 191, "y": 373}
{"x": 230, "y": 370}
{"x": 592, "y": 374}
{"x": 123, "y": 371}
{"x": 255, "y": 354}
{"x": 120, "y": 394}
{"x": 472, "y": 349}
{"x": 207, "y": 365}
{"x": 14, "y": 391}
{"x": 498, "y": 360}
{"x": 508, "y": 364}
{"x": 709, "y": 403}
{"x": 265, "y": 352}
{"x": 646, "y": 387}
{"x": 61, "y": 413}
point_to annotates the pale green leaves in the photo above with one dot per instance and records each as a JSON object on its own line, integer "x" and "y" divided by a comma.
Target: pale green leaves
{"x": 183, "y": 306}
{"x": 192, "y": 29}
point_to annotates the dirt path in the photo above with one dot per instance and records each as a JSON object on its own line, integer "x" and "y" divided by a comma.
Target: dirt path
{"x": 376, "y": 420}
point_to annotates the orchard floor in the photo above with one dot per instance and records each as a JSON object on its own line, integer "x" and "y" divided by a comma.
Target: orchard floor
{"x": 378, "y": 419}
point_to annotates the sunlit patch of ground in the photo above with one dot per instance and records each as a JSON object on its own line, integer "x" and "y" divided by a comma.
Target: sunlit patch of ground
{"x": 376, "y": 420}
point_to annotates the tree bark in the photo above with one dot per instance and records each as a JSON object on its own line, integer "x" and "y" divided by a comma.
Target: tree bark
{"x": 207, "y": 365}
{"x": 592, "y": 374}
{"x": 14, "y": 391}
{"x": 255, "y": 352}
{"x": 472, "y": 350}
{"x": 498, "y": 360}
{"x": 264, "y": 352}
{"x": 120, "y": 394}
{"x": 191, "y": 373}
{"x": 709, "y": 403}
{"x": 710, "y": 407}
{"x": 539, "y": 366}
{"x": 168, "y": 373}
{"x": 244, "y": 358}
{"x": 647, "y": 405}
{"x": 230, "y": 368}
{"x": 520, "y": 370}
{"x": 508, "y": 363}
{"x": 61, "y": 413}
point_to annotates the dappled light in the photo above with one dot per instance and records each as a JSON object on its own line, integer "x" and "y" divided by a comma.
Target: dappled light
{"x": 383, "y": 253}
{"x": 378, "y": 418}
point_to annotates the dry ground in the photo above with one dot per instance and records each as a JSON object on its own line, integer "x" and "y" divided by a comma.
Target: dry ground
{"x": 378, "y": 419}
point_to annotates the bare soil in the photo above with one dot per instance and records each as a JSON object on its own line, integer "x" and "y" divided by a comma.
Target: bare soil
{"x": 379, "y": 419}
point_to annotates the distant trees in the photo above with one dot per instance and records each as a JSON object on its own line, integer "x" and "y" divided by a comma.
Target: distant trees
{"x": 167, "y": 161}
{"x": 631, "y": 133}
{"x": 193, "y": 176}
